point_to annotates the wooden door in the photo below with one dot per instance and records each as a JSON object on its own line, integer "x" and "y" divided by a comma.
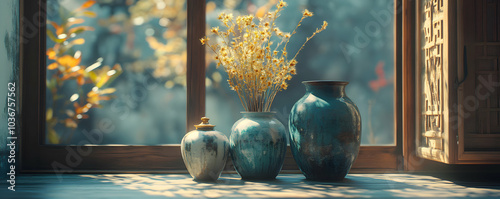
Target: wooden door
{"x": 479, "y": 95}
{"x": 435, "y": 48}
{"x": 457, "y": 70}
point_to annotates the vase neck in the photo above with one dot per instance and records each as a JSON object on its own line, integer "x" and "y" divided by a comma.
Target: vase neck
{"x": 326, "y": 88}
{"x": 258, "y": 114}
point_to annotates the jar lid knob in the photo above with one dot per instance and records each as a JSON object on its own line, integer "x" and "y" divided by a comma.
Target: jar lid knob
{"x": 204, "y": 125}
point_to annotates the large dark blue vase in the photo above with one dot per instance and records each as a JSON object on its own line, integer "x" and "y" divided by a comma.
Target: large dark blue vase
{"x": 257, "y": 145}
{"x": 325, "y": 131}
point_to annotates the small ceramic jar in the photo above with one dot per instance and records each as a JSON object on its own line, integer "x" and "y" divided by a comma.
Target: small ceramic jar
{"x": 205, "y": 151}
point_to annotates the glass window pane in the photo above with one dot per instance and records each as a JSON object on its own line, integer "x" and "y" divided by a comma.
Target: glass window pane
{"x": 117, "y": 68}
{"x": 357, "y": 47}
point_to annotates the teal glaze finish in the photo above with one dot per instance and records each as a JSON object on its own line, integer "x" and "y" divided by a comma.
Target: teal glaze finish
{"x": 258, "y": 145}
{"x": 325, "y": 131}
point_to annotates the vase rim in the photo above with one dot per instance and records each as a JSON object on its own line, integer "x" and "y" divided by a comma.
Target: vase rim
{"x": 325, "y": 82}
{"x": 258, "y": 113}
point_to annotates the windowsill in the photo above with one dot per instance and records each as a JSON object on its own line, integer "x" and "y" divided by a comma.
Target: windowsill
{"x": 230, "y": 186}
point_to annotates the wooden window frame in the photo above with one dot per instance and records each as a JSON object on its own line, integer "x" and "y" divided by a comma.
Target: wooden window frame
{"x": 36, "y": 157}
{"x": 411, "y": 162}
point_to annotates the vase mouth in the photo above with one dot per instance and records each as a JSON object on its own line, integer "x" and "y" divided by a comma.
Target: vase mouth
{"x": 325, "y": 82}
{"x": 247, "y": 113}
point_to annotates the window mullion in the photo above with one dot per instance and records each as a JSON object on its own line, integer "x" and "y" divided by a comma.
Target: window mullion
{"x": 195, "y": 75}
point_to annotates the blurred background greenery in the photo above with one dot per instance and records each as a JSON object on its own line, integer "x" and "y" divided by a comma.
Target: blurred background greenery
{"x": 147, "y": 38}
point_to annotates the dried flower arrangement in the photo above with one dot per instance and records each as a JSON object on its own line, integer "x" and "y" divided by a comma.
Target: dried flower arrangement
{"x": 256, "y": 66}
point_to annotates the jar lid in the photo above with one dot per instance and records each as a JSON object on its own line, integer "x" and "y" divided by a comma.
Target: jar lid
{"x": 204, "y": 125}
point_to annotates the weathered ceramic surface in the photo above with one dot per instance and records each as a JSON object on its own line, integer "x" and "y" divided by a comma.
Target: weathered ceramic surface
{"x": 258, "y": 145}
{"x": 205, "y": 153}
{"x": 325, "y": 131}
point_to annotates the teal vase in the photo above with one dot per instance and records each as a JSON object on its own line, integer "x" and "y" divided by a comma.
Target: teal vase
{"x": 258, "y": 145}
{"x": 325, "y": 131}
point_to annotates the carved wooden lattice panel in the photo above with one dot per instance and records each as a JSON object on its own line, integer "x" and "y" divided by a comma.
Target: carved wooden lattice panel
{"x": 431, "y": 79}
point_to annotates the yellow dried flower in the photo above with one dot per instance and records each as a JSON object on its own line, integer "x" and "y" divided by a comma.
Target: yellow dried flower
{"x": 257, "y": 68}
{"x": 325, "y": 24}
{"x": 307, "y": 13}
{"x": 281, "y": 4}
{"x": 284, "y": 86}
{"x": 215, "y": 30}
